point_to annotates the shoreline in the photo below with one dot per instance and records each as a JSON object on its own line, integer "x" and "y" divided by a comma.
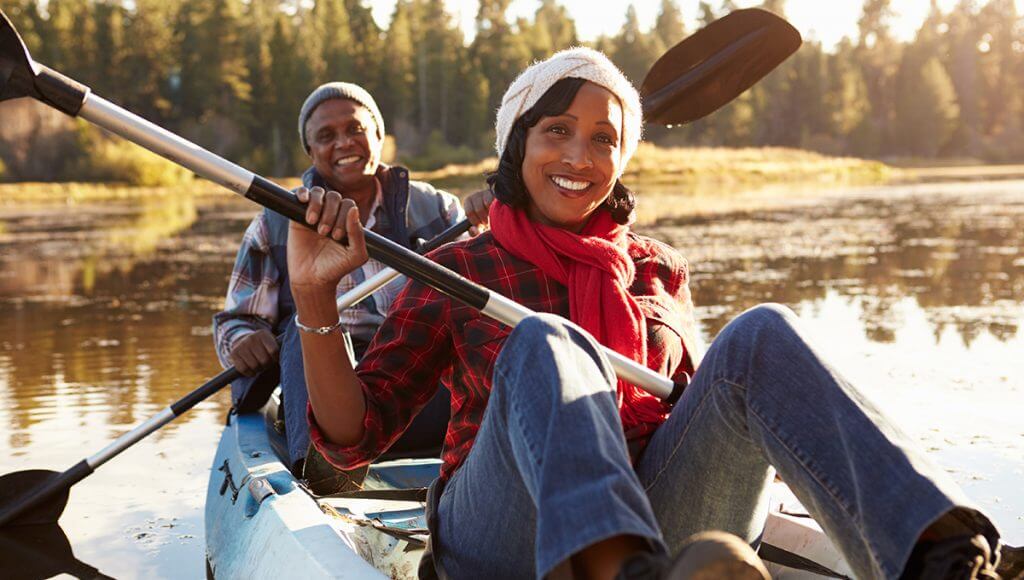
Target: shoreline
{"x": 692, "y": 171}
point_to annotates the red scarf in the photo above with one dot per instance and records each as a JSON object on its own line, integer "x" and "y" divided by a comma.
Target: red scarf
{"x": 596, "y": 268}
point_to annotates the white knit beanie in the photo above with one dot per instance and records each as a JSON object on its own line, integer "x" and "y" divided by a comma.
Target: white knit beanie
{"x": 583, "y": 63}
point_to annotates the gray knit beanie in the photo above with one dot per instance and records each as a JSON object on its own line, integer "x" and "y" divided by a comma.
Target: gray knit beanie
{"x": 338, "y": 90}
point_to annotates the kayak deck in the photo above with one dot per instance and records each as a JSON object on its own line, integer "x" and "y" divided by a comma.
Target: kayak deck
{"x": 261, "y": 522}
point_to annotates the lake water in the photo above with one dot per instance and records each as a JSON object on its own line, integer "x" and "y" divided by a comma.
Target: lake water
{"x": 915, "y": 292}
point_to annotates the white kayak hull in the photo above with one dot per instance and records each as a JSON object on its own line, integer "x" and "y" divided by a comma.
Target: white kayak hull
{"x": 262, "y": 523}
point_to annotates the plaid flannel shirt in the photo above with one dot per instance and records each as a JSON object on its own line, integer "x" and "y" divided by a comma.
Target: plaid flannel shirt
{"x": 255, "y": 283}
{"x": 428, "y": 337}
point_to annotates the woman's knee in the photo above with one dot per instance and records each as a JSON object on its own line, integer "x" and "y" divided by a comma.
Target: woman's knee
{"x": 770, "y": 317}
{"x": 548, "y": 346}
{"x": 763, "y": 326}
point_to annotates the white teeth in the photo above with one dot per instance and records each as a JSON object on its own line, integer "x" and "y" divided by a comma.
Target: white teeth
{"x": 347, "y": 160}
{"x": 569, "y": 184}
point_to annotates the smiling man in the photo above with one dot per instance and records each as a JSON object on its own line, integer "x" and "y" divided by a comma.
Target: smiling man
{"x": 342, "y": 130}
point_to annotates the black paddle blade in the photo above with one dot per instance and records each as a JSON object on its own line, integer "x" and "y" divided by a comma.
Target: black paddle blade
{"x": 16, "y": 73}
{"x": 715, "y": 65}
{"x": 15, "y": 487}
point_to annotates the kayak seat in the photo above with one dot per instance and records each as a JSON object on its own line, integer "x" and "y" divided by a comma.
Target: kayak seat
{"x": 402, "y": 474}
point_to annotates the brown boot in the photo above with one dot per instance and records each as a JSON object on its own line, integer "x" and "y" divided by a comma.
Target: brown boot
{"x": 323, "y": 479}
{"x": 1011, "y": 564}
{"x": 704, "y": 556}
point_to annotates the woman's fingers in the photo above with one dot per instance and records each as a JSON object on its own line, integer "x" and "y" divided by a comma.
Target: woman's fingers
{"x": 301, "y": 193}
{"x": 356, "y": 238}
{"x": 340, "y": 227}
{"x": 316, "y": 202}
{"x": 329, "y": 214}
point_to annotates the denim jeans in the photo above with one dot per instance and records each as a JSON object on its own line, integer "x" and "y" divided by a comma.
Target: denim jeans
{"x": 549, "y": 472}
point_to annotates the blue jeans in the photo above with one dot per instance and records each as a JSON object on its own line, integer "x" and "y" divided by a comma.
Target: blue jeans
{"x": 549, "y": 472}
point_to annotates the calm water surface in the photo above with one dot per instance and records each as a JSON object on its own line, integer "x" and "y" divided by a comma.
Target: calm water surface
{"x": 916, "y": 292}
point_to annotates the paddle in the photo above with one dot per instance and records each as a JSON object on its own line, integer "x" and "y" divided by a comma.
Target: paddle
{"x": 38, "y": 496}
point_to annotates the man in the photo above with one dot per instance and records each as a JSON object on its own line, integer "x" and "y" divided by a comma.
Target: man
{"x": 342, "y": 131}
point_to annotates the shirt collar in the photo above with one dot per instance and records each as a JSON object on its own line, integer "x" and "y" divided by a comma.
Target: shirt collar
{"x": 378, "y": 200}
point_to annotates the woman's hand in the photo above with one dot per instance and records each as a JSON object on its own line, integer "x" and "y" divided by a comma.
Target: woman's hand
{"x": 315, "y": 260}
{"x": 477, "y": 208}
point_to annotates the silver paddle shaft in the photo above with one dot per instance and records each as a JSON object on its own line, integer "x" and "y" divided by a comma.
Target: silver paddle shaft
{"x": 134, "y": 128}
{"x": 130, "y": 438}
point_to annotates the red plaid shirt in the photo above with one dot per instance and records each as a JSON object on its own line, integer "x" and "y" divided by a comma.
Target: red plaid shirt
{"x": 428, "y": 338}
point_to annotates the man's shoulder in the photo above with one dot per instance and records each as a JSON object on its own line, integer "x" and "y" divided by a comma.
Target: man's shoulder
{"x": 427, "y": 191}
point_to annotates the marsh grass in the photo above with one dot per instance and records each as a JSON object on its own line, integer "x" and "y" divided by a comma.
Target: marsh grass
{"x": 686, "y": 169}
{"x": 688, "y": 166}
{"x": 73, "y": 193}
{"x": 751, "y": 165}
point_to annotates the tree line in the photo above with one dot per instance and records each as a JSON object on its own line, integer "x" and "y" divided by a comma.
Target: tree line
{"x": 231, "y": 74}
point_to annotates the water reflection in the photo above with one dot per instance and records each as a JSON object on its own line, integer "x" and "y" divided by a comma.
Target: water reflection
{"x": 47, "y": 253}
{"x": 36, "y": 552}
{"x": 108, "y": 315}
{"x": 958, "y": 256}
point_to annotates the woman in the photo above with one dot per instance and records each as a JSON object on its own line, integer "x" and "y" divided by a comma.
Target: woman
{"x": 547, "y": 454}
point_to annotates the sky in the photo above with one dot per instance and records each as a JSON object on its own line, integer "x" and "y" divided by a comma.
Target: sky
{"x": 826, "y": 20}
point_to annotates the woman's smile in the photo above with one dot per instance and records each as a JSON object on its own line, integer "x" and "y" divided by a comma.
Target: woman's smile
{"x": 571, "y": 187}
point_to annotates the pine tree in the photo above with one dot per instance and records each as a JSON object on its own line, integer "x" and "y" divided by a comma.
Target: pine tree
{"x": 292, "y": 78}
{"x": 669, "y": 27}
{"x": 878, "y": 55}
{"x": 398, "y": 79}
{"x": 259, "y": 15}
{"x": 366, "y": 45}
{"x": 552, "y": 30}
{"x": 330, "y": 41}
{"x": 498, "y": 51}
{"x": 109, "y": 46}
{"x": 633, "y": 50}
{"x": 148, "y": 60}
{"x": 846, "y": 96}
{"x": 926, "y": 108}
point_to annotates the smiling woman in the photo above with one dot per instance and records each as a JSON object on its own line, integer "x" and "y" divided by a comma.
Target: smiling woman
{"x": 605, "y": 478}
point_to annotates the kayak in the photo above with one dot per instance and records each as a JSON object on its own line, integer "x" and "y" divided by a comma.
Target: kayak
{"x": 263, "y": 522}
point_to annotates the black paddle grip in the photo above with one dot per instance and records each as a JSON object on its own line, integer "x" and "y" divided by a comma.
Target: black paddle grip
{"x": 61, "y": 92}
{"x": 202, "y": 393}
{"x": 273, "y": 196}
{"x": 678, "y": 386}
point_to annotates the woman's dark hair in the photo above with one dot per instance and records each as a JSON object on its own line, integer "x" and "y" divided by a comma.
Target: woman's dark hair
{"x": 507, "y": 181}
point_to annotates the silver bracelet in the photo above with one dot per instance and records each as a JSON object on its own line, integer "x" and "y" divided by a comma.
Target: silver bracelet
{"x": 321, "y": 330}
